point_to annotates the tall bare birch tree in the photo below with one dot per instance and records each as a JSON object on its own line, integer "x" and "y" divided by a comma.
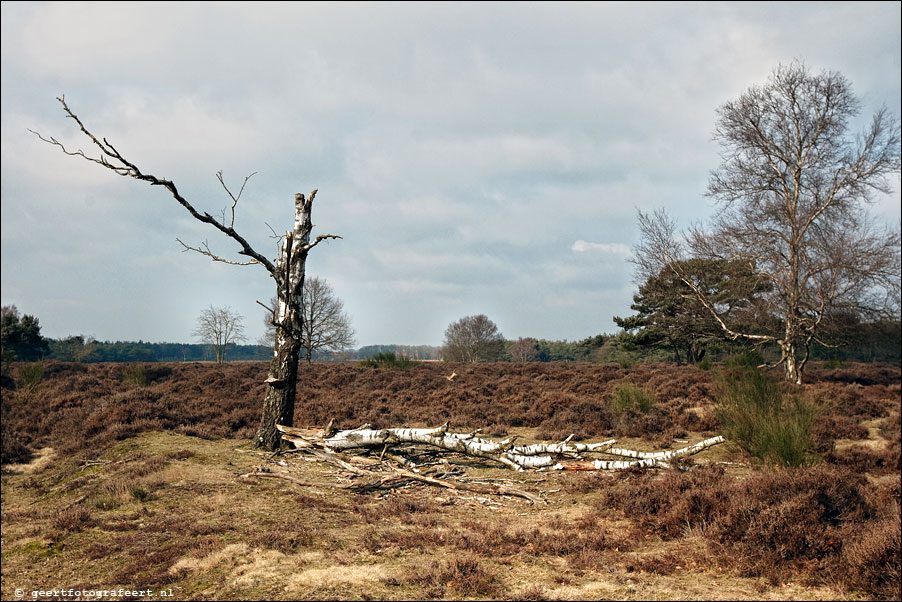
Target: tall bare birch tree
{"x": 287, "y": 270}
{"x": 792, "y": 190}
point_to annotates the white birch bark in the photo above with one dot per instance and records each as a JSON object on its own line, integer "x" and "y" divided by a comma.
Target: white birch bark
{"x": 535, "y": 456}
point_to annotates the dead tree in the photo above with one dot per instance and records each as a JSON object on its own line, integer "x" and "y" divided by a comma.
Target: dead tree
{"x": 287, "y": 271}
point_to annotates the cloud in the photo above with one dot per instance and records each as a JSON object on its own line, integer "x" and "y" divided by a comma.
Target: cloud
{"x": 616, "y": 248}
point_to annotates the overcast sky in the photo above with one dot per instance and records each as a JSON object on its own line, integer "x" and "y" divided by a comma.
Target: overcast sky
{"x": 476, "y": 158}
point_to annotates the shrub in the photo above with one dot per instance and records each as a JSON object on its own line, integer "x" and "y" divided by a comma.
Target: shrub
{"x": 463, "y": 573}
{"x": 135, "y": 376}
{"x": 30, "y": 375}
{"x": 630, "y": 396}
{"x": 71, "y": 519}
{"x": 387, "y": 359}
{"x": 872, "y": 560}
{"x": 140, "y": 493}
{"x": 756, "y": 417}
{"x": 12, "y": 449}
{"x": 822, "y": 520}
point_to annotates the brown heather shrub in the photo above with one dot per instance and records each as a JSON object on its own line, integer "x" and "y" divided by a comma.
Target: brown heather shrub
{"x": 891, "y": 427}
{"x": 666, "y": 563}
{"x": 404, "y": 506}
{"x": 775, "y": 523}
{"x": 82, "y": 408}
{"x": 852, "y": 400}
{"x": 464, "y": 574}
{"x": 287, "y": 540}
{"x": 182, "y": 454}
{"x": 865, "y": 459}
{"x": 864, "y": 374}
{"x": 827, "y": 428}
{"x": 588, "y": 482}
{"x": 150, "y": 558}
{"x": 891, "y": 430}
{"x": 669, "y": 503}
{"x": 871, "y": 560}
{"x": 72, "y": 519}
{"x": 13, "y": 451}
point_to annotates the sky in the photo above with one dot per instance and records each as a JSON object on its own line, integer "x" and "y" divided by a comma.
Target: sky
{"x": 476, "y": 158}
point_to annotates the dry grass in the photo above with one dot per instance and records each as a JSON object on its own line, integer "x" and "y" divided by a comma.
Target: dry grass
{"x": 207, "y": 534}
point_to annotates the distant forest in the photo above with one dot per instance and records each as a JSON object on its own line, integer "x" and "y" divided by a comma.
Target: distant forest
{"x": 79, "y": 349}
{"x": 860, "y": 342}
{"x": 871, "y": 343}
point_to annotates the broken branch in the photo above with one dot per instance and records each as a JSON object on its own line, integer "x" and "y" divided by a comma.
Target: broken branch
{"x": 541, "y": 455}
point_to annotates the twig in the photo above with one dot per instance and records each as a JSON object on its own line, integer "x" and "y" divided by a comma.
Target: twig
{"x": 277, "y": 475}
{"x": 460, "y": 485}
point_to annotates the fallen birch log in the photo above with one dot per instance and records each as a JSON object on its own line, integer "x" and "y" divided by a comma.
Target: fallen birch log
{"x": 648, "y": 459}
{"x": 536, "y": 456}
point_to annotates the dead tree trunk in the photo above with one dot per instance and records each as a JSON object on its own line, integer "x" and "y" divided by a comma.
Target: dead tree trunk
{"x": 288, "y": 318}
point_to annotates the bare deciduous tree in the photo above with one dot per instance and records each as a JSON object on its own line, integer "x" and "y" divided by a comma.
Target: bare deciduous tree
{"x": 287, "y": 271}
{"x": 219, "y": 327}
{"x": 525, "y": 350}
{"x": 793, "y": 188}
{"x": 473, "y": 339}
{"x": 326, "y": 326}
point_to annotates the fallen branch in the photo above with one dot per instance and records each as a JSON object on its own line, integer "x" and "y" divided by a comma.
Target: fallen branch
{"x": 275, "y": 475}
{"x": 536, "y": 456}
{"x": 398, "y": 477}
{"x": 647, "y": 459}
{"x": 474, "y": 487}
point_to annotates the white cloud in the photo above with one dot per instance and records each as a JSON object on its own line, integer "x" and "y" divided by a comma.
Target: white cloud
{"x": 616, "y": 248}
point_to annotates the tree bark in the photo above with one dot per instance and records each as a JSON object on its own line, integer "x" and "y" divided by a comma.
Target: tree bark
{"x": 281, "y": 383}
{"x": 793, "y": 368}
{"x": 281, "y": 389}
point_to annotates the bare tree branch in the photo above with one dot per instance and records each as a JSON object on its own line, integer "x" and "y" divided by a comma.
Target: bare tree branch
{"x": 113, "y": 160}
{"x": 232, "y": 196}
{"x": 206, "y": 251}
{"x": 287, "y": 271}
{"x": 319, "y": 239}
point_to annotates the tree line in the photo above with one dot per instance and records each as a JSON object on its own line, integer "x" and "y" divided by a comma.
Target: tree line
{"x": 22, "y": 341}
{"x": 662, "y": 334}
{"x": 647, "y": 340}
